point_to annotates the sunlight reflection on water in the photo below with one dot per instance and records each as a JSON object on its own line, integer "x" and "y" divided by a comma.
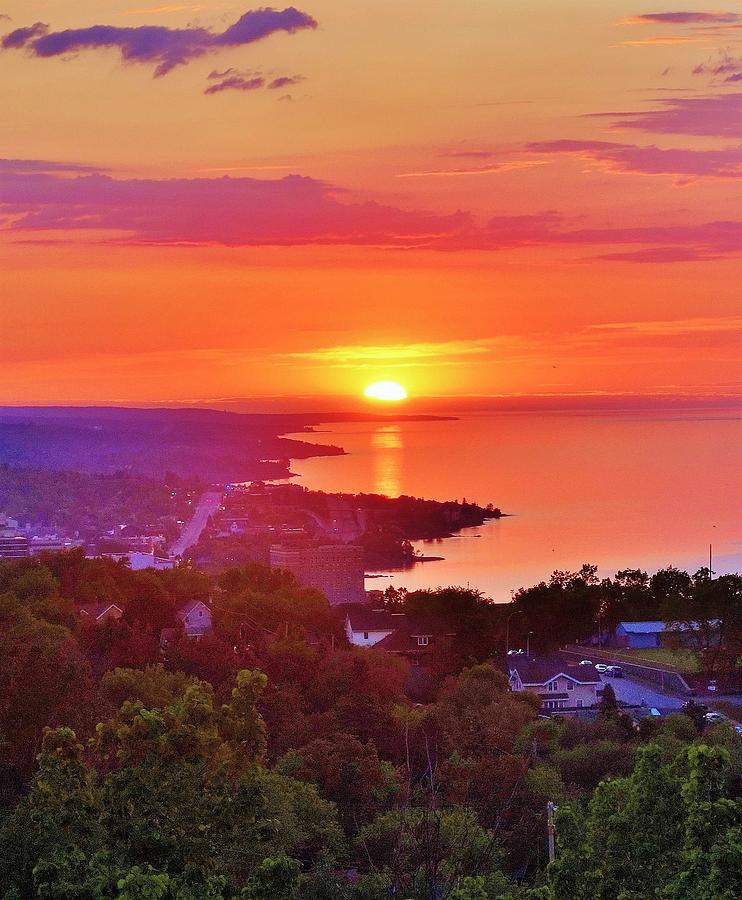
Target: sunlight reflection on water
{"x": 387, "y": 446}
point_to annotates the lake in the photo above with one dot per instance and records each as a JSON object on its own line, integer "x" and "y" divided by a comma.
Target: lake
{"x": 621, "y": 490}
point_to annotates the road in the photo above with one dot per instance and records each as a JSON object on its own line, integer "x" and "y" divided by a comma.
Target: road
{"x": 207, "y": 505}
{"x": 632, "y": 691}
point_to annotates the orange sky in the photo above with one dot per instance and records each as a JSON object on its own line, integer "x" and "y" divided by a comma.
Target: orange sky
{"x": 470, "y": 197}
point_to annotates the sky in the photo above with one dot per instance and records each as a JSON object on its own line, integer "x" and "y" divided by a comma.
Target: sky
{"x": 208, "y": 200}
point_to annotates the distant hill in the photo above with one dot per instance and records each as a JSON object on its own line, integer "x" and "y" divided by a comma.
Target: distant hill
{"x": 192, "y": 443}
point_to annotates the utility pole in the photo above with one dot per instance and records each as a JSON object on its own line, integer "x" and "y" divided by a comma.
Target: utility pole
{"x": 550, "y": 830}
{"x": 528, "y": 645}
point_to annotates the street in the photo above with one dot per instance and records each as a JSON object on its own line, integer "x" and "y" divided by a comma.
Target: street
{"x": 207, "y": 505}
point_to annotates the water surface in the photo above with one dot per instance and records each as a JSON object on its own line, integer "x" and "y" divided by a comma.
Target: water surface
{"x": 619, "y": 490}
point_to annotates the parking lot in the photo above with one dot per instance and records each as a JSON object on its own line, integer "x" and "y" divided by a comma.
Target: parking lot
{"x": 634, "y": 692}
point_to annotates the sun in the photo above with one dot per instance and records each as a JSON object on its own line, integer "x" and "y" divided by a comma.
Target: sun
{"x": 388, "y": 391}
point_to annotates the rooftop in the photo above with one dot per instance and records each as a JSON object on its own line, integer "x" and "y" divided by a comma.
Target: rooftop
{"x": 364, "y": 618}
{"x": 540, "y": 669}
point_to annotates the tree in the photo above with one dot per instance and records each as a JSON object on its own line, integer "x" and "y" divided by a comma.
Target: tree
{"x": 276, "y": 878}
{"x": 667, "y": 830}
{"x": 347, "y": 772}
{"x": 608, "y": 703}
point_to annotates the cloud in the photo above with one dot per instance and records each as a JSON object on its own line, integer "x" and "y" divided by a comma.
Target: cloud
{"x": 716, "y": 115}
{"x": 628, "y": 158}
{"x": 285, "y": 81}
{"x": 21, "y": 36}
{"x": 404, "y": 354}
{"x": 163, "y": 10}
{"x": 726, "y": 68}
{"x": 35, "y": 166}
{"x": 494, "y": 168}
{"x": 672, "y": 327}
{"x": 237, "y": 82}
{"x": 46, "y": 200}
{"x": 683, "y": 18}
{"x": 228, "y": 211}
{"x": 157, "y": 45}
{"x": 662, "y": 40}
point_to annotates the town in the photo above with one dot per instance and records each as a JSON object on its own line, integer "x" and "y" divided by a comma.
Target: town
{"x": 478, "y": 717}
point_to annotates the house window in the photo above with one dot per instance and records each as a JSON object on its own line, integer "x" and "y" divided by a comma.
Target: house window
{"x": 365, "y": 635}
{"x": 570, "y": 685}
{"x": 579, "y": 702}
{"x": 553, "y": 685}
{"x": 423, "y": 641}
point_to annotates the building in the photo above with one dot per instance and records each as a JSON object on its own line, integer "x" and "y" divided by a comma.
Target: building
{"x": 335, "y": 569}
{"x": 195, "y": 618}
{"x": 365, "y": 627}
{"x": 416, "y": 638}
{"x": 13, "y": 544}
{"x": 139, "y": 561}
{"x": 560, "y": 684}
{"x": 651, "y": 635}
{"x": 101, "y": 612}
{"x": 52, "y": 543}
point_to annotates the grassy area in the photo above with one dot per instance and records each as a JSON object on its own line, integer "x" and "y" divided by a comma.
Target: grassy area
{"x": 683, "y": 660}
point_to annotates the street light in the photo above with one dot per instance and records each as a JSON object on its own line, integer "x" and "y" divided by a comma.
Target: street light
{"x": 515, "y": 612}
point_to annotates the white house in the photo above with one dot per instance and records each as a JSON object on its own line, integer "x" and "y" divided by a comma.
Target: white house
{"x": 195, "y": 617}
{"x": 558, "y": 683}
{"x": 365, "y": 627}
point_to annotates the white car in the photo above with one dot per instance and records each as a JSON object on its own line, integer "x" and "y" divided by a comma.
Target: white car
{"x": 713, "y": 717}
{"x": 586, "y": 662}
{"x": 601, "y": 667}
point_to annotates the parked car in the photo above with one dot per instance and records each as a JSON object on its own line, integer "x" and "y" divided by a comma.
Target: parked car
{"x": 586, "y": 662}
{"x": 691, "y": 705}
{"x": 514, "y": 652}
{"x": 738, "y": 729}
{"x": 713, "y": 716}
{"x": 614, "y": 671}
{"x": 653, "y": 711}
{"x": 601, "y": 667}
{"x": 711, "y": 686}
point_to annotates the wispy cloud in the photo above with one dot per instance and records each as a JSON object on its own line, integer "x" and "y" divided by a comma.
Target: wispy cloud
{"x": 54, "y": 200}
{"x": 397, "y": 354}
{"x": 493, "y": 169}
{"x": 237, "y": 80}
{"x": 651, "y": 160}
{"x": 667, "y": 39}
{"x": 716, "y": 115}
{"x": 682, "y": 18}
{"x": 726, "y": 68}
{"x": 157, "y": 45}
{"x": 671, "y": 327}
{"x": 164, "y": 10}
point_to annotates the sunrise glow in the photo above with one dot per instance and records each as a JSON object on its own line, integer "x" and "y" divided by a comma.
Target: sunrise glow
{"x": 386, "y": 391}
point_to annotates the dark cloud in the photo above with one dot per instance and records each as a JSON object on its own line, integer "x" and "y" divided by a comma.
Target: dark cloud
{"x": 163, "y": 47}
{"x": 684, "y": 18}
{"x": 21, "y": 36}
{"x": 726, "y": 163}
{"x": 718, "y": 115}
{"x": 237, "y": 82}
{"x": 285, "y": 81}
{"x": 45, "y": 197}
